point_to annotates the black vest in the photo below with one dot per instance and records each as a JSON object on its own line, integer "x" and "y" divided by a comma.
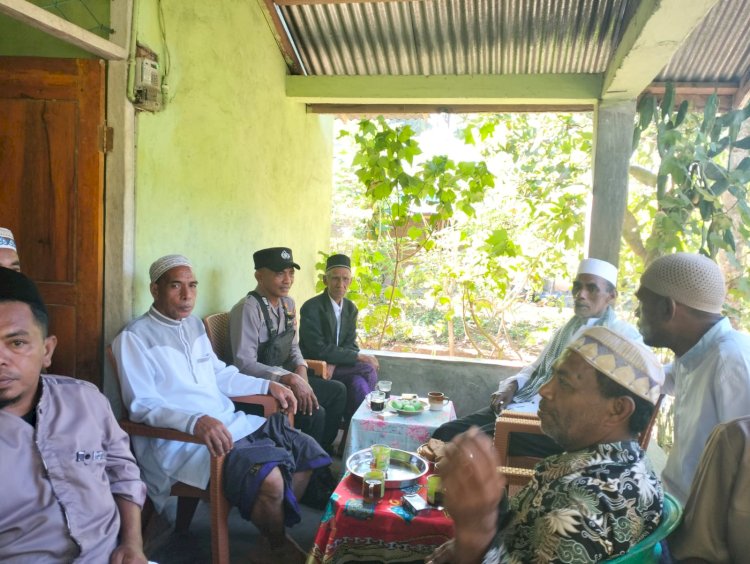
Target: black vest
{"x": 276, "y": 350}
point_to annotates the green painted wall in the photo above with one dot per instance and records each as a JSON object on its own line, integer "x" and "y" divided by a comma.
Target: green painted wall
{"x": 19, "y": 39}
{"x": 230, "y": 166}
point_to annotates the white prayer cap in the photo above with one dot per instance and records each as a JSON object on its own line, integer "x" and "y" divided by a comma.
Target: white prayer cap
{"x": 693, "y": 280}
{"x": 625, "y": 361}
{"x": 6, "y": 239}
{"x": 600, "y": 268}
{"x": 165, "y": 263}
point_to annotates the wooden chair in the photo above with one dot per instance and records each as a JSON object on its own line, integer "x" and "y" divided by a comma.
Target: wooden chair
{"x": 189, "y": 496}
{"x": 217, "y": 328}
{"x": 509, "y": 422}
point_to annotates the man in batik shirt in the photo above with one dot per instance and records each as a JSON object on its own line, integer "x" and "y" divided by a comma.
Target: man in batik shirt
{"x": 594, "y": 501}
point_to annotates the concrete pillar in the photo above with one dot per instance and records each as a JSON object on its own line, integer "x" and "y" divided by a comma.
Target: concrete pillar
{"x": 119, "y": 199}
{"x": 613, "y": 139}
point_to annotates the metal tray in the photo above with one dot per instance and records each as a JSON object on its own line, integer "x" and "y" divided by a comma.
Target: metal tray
{"x": 405, "y": 468}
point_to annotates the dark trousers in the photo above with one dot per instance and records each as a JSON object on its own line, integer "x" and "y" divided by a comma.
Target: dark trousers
{"x": 521, "y": 444}
{"x": 359, "y": 379}
{"x": 323, "y": 425}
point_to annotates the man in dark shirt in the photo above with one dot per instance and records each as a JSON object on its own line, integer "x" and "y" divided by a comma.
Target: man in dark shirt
{"x": 328, "y": 331}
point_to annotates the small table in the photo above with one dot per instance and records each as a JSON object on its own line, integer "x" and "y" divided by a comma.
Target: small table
{"x": 405, "y": 432}
{"x": 354, "y": 531}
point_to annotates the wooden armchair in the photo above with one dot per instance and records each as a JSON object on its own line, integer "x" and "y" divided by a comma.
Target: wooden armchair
{"x": 189, "y": 496}
{"x": 217, "y": 328}
{"x": 509, "y": 422}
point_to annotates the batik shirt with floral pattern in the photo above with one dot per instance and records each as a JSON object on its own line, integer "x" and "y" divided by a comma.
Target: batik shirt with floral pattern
{"x": 583, "y": 506}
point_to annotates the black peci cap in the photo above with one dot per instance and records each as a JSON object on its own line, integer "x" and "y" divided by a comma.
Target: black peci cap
{"x": 17, "y": 287}
{"x": 338, "y": 261}
{"x": 274, "y": 258}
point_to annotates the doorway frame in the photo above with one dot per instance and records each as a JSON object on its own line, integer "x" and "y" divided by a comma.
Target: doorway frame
{"x": 119, "y": 165}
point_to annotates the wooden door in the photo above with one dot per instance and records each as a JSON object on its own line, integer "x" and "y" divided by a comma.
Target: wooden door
{"x": 51, "y": 195}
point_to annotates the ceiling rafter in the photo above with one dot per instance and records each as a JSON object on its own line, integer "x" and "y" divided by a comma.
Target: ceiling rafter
{"x": 321, "y": 2}
{"x": 742, "y": 95}
{"x": 280, "y": 33}
{"x": 655, "y": 33}
{"x": 453, "y": 90}
{"x": 364, "y": 110}
{"x": 402, "y": 59}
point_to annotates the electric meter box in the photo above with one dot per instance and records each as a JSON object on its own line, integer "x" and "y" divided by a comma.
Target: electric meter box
{"x": 148, "y": 94}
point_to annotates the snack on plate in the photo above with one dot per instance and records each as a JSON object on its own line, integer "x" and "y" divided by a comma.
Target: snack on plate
{"x": 407, "y": 404}
{"x": 433, "y": 450}
{"x": 408, "y": 396}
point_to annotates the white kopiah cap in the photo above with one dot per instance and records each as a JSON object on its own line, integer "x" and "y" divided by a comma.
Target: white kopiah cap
{"x": 693, "y": 280}
{"x": 165, "y": 263}
{"x": 630, "y": 364}
{"x": 600, "y": 268}
{"x": 6, "y": 239}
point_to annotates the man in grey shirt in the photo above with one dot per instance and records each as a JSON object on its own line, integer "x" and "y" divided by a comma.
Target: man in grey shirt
{"x": 71, "y": 488}
{"x": 264, "y": 339}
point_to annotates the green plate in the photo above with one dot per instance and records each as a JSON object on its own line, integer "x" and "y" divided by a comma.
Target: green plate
{"x": 421, "y": 405}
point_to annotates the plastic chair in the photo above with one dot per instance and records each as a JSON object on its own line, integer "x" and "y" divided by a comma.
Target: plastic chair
{"x": 649, "y": 550}
{"x": 189, "y": 496}
{"x": 217, "y": 328}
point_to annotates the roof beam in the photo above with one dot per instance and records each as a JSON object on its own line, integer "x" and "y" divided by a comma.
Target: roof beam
{"x": 319, "y": 2}
{"x": 56, "y": 26}
{"x": 655, "y": 33}
{"x": 527, "y": 89}
{"x": 362, "y": 110}
{"x": 742, "y": 96}
{"x": 279, "y": 31}
{"x": 696, "y": 93}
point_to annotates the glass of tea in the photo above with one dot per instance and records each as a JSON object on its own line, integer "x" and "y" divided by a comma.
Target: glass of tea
{"x": 434, "y": 490}
{"x": 373, "y": 486}
{"x": 377, "y": 401}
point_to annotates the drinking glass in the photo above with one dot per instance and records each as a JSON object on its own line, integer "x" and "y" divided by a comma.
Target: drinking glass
{"x": 385, "y": 387}
{"x": 377, "y": 401}
{"x": 373, "y": 486}
{"x": 381, "y": 457}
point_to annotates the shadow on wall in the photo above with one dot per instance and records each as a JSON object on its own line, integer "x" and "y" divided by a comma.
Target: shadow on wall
{"x": 469, "y": 383}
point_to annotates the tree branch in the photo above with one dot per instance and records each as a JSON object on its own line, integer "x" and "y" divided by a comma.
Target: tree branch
{"x": 631, "y": 232}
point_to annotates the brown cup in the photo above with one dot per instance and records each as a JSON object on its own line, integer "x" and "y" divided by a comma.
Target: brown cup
{"x": 437, "y": 400}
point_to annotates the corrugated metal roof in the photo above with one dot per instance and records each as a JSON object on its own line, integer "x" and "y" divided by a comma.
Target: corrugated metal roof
{"x": 717, "y": 50}
{"x": 457, "y": 37}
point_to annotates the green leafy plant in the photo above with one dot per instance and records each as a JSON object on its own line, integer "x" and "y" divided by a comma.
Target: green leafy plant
{"x": 469, "y": 250}
{"x": 696, "y": 201}
{"x": 411, "y": 203}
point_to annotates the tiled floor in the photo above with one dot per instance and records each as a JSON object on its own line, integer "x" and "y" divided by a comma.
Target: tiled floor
{"x": 194, "y": 546}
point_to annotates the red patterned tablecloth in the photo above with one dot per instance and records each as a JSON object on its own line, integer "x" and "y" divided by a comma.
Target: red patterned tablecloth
{"x": 354, "y": 531}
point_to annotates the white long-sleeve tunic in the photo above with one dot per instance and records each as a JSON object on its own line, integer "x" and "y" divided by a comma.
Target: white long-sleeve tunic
{"x": 171, "y": 377}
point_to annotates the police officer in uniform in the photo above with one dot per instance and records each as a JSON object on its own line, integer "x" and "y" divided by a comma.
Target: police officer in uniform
{"x": 265, "y": 344}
